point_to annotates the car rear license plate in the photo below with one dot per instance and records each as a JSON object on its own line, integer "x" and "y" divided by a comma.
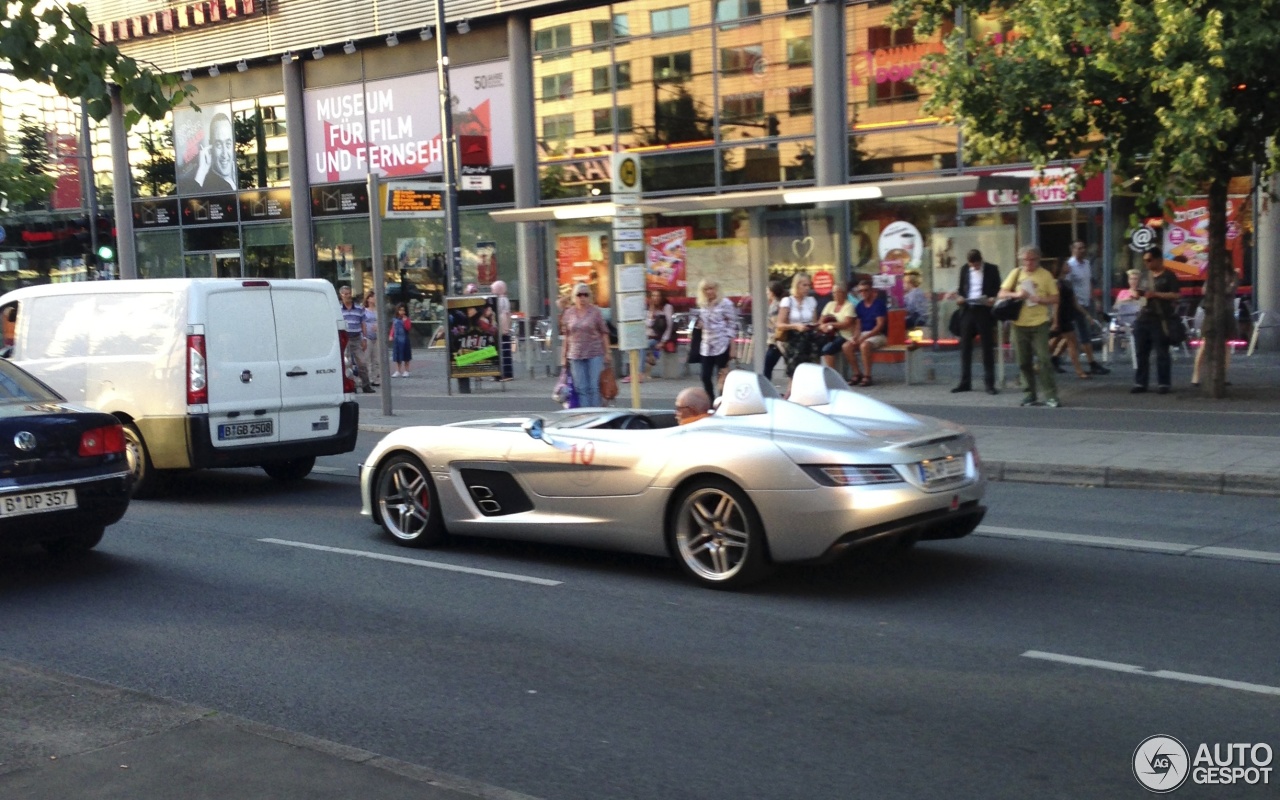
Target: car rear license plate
{"x": 245, "y": 430}
{"x": 15, "y": 505}
{"x": 942, "y": 469}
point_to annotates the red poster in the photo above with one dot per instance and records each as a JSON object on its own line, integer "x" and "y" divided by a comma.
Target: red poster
{"x": 584, "y": 258}
{"x": 666, "y": 254}
{"x": 1186, "y": 239}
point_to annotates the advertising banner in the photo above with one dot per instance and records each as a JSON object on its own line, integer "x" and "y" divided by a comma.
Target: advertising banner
{"x": 1186, "y": 239}
{"x": 392, "y": 126}
{"x": 1048, "y": 188}
{"x": 205, "y": 149}
{"x": 473, "y": 336}
{"x": 584, "y": 258}
{"x": 665, "y": 259}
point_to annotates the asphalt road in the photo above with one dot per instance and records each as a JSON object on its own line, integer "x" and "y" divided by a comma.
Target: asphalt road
{"x": 610, "y": 676}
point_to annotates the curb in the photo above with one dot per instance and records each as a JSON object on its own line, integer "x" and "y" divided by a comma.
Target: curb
{"x": 1231, "y": 483}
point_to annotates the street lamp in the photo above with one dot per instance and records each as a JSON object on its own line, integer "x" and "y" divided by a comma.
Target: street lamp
{"x": 453, "y": 246}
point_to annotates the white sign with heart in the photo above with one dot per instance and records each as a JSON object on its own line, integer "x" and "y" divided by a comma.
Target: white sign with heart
{"x": 802, "y": 248}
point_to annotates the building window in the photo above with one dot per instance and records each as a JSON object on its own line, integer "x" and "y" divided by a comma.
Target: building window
{"x": 735, "y": 60}
{"x": 730, "y": 10}
{"x": 669, "y": 19}
{"x": 557, "y": 87}
{"x": 604, "y": 30}
{"x": 600, "y": 83}
{"x": 557, "y": 127}
{"x": 606, "y": 120}
{"x": 800, "y": 51}
{"x": 737, "y": 108}
{"x": 672, "y": 67}
{"x": 546, "y": 42}
{"x": 800, "y": 100}
{"x": 621, "y": 26}
{"x": 880, "y": 38}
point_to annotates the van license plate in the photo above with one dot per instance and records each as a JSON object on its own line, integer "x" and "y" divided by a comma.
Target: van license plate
{"x": 245, "y": 430}
{"x": 15, "y": 505}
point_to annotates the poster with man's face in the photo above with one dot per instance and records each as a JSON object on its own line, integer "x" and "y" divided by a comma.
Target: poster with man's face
{"x": 205, "y": 147}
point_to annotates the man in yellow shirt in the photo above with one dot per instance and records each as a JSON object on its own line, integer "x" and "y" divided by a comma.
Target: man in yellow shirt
{"x": 1039, "y": 293}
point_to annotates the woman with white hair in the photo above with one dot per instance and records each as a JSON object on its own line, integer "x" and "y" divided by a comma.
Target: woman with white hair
{"x": 719, "y": 328}
{"x": 585, "y": 345}
{"x": 505, "y": 352}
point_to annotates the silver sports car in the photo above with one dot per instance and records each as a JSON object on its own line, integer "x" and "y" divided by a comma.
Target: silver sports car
{"x": 761, "y": 481}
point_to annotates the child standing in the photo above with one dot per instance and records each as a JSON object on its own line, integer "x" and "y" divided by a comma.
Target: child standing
{"x": 401, "y": 351}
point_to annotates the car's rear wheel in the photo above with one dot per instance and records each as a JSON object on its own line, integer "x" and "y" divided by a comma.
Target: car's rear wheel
{"x": 146, "y": 481}
{"x": 717, "y": 536}
{"x": 293, "y": 469}
{"x": 406, "y": 502}
{"x": 74, "y": 544}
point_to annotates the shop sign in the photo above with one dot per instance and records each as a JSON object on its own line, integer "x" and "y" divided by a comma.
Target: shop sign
{"x": 392, "y": 127}
{"x": 890, "y": 64}
{"x": 339, "y": 201}
{"x": 215, "y": 209}
{"x": 162, "y": 212}
{"x": 414, "y": 200}
{"x": 265, "y": 205}
{"x": 1050, "y": 187}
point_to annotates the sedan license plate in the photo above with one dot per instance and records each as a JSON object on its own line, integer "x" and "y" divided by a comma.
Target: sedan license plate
{"x": 16, "y": 505}
{"x": 942, "y": 469}
{"x": 245, "y": 430}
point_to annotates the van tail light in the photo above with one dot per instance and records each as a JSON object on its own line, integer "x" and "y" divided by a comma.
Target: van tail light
{"x": 104, "y": 441}
{"x": 348, "y": 369}
{"x": 197, "y": 372}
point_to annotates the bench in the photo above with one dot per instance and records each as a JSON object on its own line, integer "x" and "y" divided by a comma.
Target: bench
{"x": 900, "y": 349}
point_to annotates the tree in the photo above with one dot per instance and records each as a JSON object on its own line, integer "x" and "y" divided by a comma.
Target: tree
{"x": 1178, "y": 96}
{"x": 157, "y": 176}
{"x": 30, "y": 168}
{"x": 54, "y": 44}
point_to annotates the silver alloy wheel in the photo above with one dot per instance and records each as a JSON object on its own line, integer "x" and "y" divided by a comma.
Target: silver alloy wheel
{"x": 404, "y": 500}
{"x": 712, "y": 534}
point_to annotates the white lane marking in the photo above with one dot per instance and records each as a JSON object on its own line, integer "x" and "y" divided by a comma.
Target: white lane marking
{"x": 506, "y": 576}
{"x": 1241, "y": 686}
{"x": 1139, "y": 545}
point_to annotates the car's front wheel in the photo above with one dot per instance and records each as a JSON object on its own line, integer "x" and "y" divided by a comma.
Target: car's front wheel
{"x": 75, "y": 544}
{"x": 717, "y": 536}
{"x": 406, "y": 502}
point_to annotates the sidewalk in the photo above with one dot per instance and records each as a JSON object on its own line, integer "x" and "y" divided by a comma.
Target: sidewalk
{"x": 1086, "y": 442}
{"x": 66, "y": 736}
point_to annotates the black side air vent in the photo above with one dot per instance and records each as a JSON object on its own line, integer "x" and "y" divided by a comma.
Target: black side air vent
{"x": 495, "y": 493}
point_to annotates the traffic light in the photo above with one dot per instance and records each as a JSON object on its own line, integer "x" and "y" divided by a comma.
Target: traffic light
{"x": 773, "y": 124}
{"x": 106, "y": 253}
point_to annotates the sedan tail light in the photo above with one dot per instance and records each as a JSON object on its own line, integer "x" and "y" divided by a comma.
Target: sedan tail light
{"x": 197, "y": 371}
{"x": 104, "y": 441}
{"x": 840, "y": 475}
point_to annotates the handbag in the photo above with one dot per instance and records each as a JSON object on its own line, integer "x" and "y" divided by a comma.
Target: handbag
{"x": 957, "y": 317}
{"x": 608, "y": 384}
{"x": 695, "y": 347}
{"x": 564, "y": 393}
{"x": 1175, "y": 330}
{"x": 1008, "y": 309}
{"x": 659, "y": 325}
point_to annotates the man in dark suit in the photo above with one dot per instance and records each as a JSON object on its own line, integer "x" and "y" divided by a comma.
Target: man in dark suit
{"x": 979, "y": 285}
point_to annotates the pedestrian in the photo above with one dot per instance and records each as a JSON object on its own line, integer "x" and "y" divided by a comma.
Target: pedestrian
{"x": 401, "y": 348}
{"x": 370, "y": 337}
{"x": 1229, "y": 295}
{"x": 797, "y": 316}
{"x": 658, "y": 330}
{"x": 1080, "y": 273}
{"x": 357, "y": 347}
{"x": 506, "y": 352}
{"x": 872, "y": 311}
{"x": 1151, "y": 330}
{"x": 777, "y": 291}
{"x": 692, "y": 404}
{"x": 1038, "y": 292}
{"x": 719, "y": 328}
{"x": 1062, "y": 333}
{"x": 837, "y": 324}
{"x": 915, "y": 301}
{"x": 976, "y": 294}
{"x": 584, "y": 345}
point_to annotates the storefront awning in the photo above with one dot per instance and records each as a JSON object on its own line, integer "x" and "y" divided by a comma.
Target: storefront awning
{"x": 926, "y": 188}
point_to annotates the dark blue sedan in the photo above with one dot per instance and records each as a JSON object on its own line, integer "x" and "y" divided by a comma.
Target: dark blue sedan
{"x": 63, "y": 473}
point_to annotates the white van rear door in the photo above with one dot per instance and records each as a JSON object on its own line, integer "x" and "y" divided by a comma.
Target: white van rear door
{"x": 244, "y": 374}
{"x": 306, "y": 332}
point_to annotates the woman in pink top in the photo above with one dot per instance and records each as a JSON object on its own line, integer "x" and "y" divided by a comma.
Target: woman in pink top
{"x": 585, "y": 344}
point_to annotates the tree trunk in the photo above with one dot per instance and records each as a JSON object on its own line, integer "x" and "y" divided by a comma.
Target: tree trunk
{"x": 1217, "y": 306}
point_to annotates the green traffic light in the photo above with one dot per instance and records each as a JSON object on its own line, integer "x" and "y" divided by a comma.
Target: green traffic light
{"x": 106, "y": 253}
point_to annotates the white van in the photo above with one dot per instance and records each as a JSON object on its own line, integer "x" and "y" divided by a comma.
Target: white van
{"x": 203, "y": 372}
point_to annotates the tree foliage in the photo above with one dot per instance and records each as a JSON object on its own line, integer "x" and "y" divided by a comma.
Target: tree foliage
{"x": 1180, "y": 95}
{"x": 54, "y": 44}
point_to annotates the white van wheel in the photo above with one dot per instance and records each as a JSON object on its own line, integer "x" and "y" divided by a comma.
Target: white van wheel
{"x": 293, "y": 469}
{"x": 145, "y": 481}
